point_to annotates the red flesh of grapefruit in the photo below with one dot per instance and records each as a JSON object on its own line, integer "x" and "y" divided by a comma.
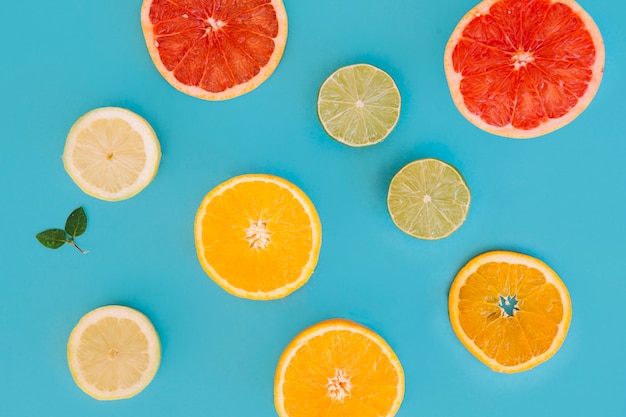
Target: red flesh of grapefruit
{"x": 215, "y": 49}
{"x": 524, "y": 68}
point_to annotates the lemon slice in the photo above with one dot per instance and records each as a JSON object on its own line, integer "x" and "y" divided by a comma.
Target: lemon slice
{"x": 359, "y": 105}
{"x": 111, "y": 153}
{"x": 428, "y": 199}
{"x": 113, "y": 352}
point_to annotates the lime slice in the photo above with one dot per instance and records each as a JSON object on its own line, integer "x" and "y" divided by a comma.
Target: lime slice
{"x": 111, "y": 153}
{"x": 359, "y": 105}
{"x": 428, "y": 199}
{"x": 113, "y": 352}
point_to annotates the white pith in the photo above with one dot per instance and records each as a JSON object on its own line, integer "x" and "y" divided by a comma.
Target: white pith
{"x": 339, "y": 386}
{"x": 258, "y": 234}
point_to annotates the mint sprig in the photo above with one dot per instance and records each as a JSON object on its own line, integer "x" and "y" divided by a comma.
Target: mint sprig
{"x": 75, "y": 225}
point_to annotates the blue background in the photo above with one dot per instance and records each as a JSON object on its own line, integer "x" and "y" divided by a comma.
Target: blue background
{"x": 559, "y": 197}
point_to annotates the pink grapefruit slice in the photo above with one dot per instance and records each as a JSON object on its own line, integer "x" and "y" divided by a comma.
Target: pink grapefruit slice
{"x": 524, "y": 68}
{"x": 215, "y": 49}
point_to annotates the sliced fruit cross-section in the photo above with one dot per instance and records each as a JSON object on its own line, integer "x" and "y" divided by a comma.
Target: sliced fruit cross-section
{"x": 213, "y": 49}
{"x": 338, "y": 368}
{"x": 258, "y": 236}
{"x": 428, "y": 199}
{"x": 112, "y": 153}
{"x": 113, "y": 352}
{"x": 359, "y": 105}
{"x": 523, "y": 68}
{"x": 510, "y": 310}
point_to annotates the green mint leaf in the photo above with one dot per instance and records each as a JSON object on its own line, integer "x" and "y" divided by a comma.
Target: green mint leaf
{"x": 76, "y": 223}
{"x": 52, "y": 238}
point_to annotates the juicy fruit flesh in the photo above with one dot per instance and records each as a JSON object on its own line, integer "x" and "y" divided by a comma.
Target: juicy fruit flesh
{"x": 258, "y": 236}
{"x": 530, "y": 331}
{"x": 212, "y": 45}
{"x": 428, "y": 199}
{"x": 359, "y": 105}
{"x": 110, "y": 154}
{"x": 113, "y": 354}
{"x": 524, "y": 63}
{"x": 340, "y": 372}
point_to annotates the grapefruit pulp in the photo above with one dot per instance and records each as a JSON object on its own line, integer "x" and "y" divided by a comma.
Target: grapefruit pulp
{"x": 215, "y": 49}
{"x": 524, "y": 68}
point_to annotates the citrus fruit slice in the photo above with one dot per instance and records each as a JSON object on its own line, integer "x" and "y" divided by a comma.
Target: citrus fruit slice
{"x": 359, "y": 105}
{"x": 338, "y": 368}
{"x": 215, "y": 50}
{"x": 113, "y": 352}
{"x": 510, "y": 310}
{"x": 428, "y": 199}
{"x": 258, "y": 236}
{"x": 112, "y": 153}
{"x": 523, "y": 68}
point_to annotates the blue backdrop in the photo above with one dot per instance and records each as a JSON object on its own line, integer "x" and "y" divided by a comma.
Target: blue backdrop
{"x": 559, "y": 197}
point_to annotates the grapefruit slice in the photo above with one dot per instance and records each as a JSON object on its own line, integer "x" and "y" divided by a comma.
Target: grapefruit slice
{"x": 524, "y": 68}
{"x": 212, "y": 49}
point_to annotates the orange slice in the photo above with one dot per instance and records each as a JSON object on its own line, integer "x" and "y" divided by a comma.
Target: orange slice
{"x": 510, "y": 310}
{"x": 524, "y": 68}
{"x": 215, "y": 49}
{"x": 258, "y": 236}
{"x": 338, "y": 368}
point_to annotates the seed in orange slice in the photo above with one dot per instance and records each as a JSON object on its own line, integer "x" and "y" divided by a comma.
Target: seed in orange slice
{"x": 113, "y": 352}
{"x": 338, "y": 368}
{"x": 258, "y": 236}
{"x": 524, "y": 68}
{"x": 510, "y": 310}
{"x": 213, "y": 49}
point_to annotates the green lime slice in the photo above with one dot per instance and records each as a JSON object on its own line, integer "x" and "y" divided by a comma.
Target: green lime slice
{"x": 359, "y": 105}
{"x": 428, "y": 199}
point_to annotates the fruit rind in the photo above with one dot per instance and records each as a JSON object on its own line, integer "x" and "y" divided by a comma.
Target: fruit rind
{"x": 316, "y": 237}
{"x": 122, "y": 312}
{"x": 454, "y": 78}
{"x": 511, "y": 258}
{"x": 152, "y": 150}
{"x": 319, "y": 329}
{"x": 279, "y": 42}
